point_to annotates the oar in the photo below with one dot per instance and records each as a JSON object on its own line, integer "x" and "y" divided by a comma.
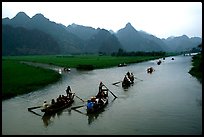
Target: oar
{"x": 80, "y": 112}
{"x": 80, "y": 98}
{"x": 34, "y": 113}
{"x": 111, "y": 92}
{"x": 31, "y": 108}
{"x": 77, "y": 106}
{"x": 138, "y": 79}
{"x": 117, "y": 82}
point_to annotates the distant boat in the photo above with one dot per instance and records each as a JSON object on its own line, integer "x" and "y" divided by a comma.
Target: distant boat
{"x": 150, "y": 70}
{"x": 67, "y": 69}
{"x": 122, "y": 64}
{"x": 128, "y": 80}
{"x": 159, "y": 62}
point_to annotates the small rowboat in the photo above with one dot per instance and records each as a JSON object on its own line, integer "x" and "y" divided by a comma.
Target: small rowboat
{"x": 56, "y": 107}
{"x": 159, "y": 62}
{"x": 128, "y": 80}
{"x": 122, "y": 64}
{"x": 150, "y": 70}
{"x": 127, "y": 83}
{"x": 97, "y": 102}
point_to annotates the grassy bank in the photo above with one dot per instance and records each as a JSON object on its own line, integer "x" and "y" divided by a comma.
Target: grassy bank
{"x": 19, "y": 78}
{"x": 196, "y": 70}
{"x": 74, "y": 61}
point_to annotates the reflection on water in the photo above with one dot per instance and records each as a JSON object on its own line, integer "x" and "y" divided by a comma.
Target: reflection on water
{"x": 49, "y": 118}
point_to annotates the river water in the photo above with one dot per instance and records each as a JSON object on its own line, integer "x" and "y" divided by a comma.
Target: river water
{"x": 166, "y": 102}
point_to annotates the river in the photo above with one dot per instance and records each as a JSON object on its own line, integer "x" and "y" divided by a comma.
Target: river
{"x": 166, "y": 102}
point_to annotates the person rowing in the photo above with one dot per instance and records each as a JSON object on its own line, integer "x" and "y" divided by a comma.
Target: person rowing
{"x": 70, "y": 94}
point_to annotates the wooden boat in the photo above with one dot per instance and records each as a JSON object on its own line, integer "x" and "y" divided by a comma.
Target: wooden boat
{"x": 128, "y": 80}
{"x": 58, "y": 106}
{"x": 97, "y": 102}
{"x": 127, "y": 83}
{"x": 159, "y": 62}
{"x": 122, "y": 64}
{"x": 150, "y": 70}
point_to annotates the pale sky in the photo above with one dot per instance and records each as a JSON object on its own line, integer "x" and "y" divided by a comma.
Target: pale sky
{"x": 161, "y": 19}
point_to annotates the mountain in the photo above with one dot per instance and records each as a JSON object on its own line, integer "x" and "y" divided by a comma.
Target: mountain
{"x": 102, "y": 41}
{"x": 20, "y": 41}
{"x": 182, "y": 43}
{"x": 133, "y": 40}
{"x": 95, "y": 40}
{"x": 20, "y": 20}
{"x": 82, "y": 39}
{"x": 155, "y": 40}
{"x": 83, "y": 32}
{"x": 68, "y": 42}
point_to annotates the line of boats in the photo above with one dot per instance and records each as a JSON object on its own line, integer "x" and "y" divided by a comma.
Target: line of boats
{"x": 93, "y": 105}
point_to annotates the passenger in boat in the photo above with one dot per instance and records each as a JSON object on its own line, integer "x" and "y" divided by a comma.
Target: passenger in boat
{"x": 128, "y": 74}
{"x": 131, "y": 77}
{"x": 53, "y": 101}
{"x": 59, "y": 100}
{"x": 95, "y": 103}
{"x": 90, "y": 105}
{"x": 45, "y": 104}
{"x": 126, "y": 79}
{"x": 64, "y": 99}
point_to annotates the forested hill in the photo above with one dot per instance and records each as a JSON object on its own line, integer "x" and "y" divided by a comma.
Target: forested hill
{"x": 20, "y": 41}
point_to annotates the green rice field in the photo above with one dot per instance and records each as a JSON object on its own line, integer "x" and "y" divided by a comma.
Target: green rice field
{"x": 18, "y": 78}
{"x": 74, "y": 61}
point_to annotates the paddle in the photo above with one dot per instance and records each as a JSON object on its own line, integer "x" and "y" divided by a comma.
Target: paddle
{"x": 77, "y": 107}
{"x": 80, "y": 98}
{"x": 138, "y": 79}
{"x": 34, "y": 113}
{"x": 31, "y": 108}
{"x": 111, "y": 92}
{"x": 117, "y": 82}
{"x": 80, "y": 112}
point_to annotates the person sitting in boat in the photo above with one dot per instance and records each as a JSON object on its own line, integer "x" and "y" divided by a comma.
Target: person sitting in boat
{"x": 45, "y": 104}
{"x": 126, "y": 79}
{"x": 94, "y": 101}
{"x": 131, "y": 77}
{"x": 90, "y": 105}
{"x": 64, "y": 99}
{"x": 128, "y": 74}
{"x": 59, "y": 100}
{"x": 53, "y": 101}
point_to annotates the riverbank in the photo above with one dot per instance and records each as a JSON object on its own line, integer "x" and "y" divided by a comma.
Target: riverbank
{"x": 196, "y": 70}
{"x": 24, "y": 79}
{"x": 18, "y": 78}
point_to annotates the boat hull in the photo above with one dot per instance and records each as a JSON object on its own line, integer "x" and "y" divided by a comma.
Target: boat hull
{"x": 55, "y": 108}
{"x": 97, "y": 108}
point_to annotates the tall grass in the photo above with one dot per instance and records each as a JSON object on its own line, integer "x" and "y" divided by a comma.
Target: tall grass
{"x": 20, "y": 78}
{"x": 196, "y": 70}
